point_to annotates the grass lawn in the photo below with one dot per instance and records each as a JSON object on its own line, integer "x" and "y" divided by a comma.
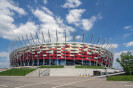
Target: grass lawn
{"x": 16, "y": 72}
{"x": 97, "y": 67}
{"x": 120, "y": 78}
{"x": 52, "y": 66}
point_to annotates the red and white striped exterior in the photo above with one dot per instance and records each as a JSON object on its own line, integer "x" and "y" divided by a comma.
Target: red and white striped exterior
{"x": 69, "y": 51}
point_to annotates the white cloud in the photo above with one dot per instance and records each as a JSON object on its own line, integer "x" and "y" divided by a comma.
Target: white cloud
{"x": 72, "y": 4}
{"x": 47, "y": 11}
{"x": 97, "y": 3}
{"x": 78, "y": 37}
{"x": 117, "y": 55}
{"x": 4, "y": 64}
{"x": 115, "y": 63}
{"x": 8, "y": 29}
{"x": 129, "y": 44}
{"x": 14, "y": 32}
{"x": 4, "y": 54}
{"x": 52, "y": 23}
{"x": 127, "y": 27}
{"x": 130, "y": 28}
{"x": 45, "y": 1}
{"x": 107, "y": 46}
{"x": 4, "y": 59}
{"x": 74, "y": 16}
{"x": 6, "y": 5}
{"x": 126, "y": 35}
{"x": 88, "y": 23}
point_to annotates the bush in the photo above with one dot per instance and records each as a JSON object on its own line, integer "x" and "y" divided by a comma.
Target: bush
{"x": 16, "y": 72}
{"x": 97, "y": 67}
{"x": 52, "y": 66}
{"x": 120, "y": 78}
{"x": 126, "y": 61}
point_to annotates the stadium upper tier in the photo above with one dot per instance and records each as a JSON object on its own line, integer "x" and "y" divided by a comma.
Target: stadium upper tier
{"x": 69, "y": 53}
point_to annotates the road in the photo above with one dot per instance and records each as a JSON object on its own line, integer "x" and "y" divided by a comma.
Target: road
{"x": 61, "y": 82}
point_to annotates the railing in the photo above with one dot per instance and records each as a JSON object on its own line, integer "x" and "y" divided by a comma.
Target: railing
{"x": 44, "y": 73}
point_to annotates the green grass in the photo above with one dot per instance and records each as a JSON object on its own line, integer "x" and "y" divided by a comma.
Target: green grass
{"x": 96, "y": 67}
{"x": 16, "y": 72}
{"x": 52, "y": 66}
{"x": 120, "y": 78}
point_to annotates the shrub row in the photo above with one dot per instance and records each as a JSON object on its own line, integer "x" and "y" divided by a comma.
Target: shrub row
{"x": 120, "y": 78}
{"x": 97, "y": 67}
{"x": 16, "y": 72}
{"x": 52, "y": 66}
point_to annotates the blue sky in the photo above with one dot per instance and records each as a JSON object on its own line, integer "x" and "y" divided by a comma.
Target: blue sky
{"x": 112, "y": 19}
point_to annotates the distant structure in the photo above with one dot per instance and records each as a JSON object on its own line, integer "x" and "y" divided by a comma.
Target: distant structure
{"x": 28, "y": 52}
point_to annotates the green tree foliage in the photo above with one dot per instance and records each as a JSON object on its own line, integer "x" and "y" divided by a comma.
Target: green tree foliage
{"x": 126, "y": 61}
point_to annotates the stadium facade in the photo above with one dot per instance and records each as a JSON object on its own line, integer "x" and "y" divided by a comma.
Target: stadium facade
{"x": 30, "y": 53}
{"x": 61, "y": 54}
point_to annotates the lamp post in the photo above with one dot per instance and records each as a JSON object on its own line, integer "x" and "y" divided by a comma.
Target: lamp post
{"x": 106, "y": 71}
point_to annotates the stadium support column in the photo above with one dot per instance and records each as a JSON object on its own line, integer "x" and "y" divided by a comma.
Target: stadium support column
{"x": 27, "y": 54}
{"x": 65, "y": 47}
{"x": 113, "y": 53}
{"x": 29, "y": 48}
{"x": 99, "y": 55}
{"x": 18, "y": 53}
{"x": 98, "y": 49}
{"x": 33, "y": 62}
{"x": 74, "y": 46}
{"x": 24, "y": 47}
{"x": 10, "y": 54}
{"x": 49, "y": 54}
{"x": 106, "y": 59}
{"x": 91, "y": 56}
{"x": 49, "y": 47}
{"x": 15, "y": 55}
{"x": 42, "y": 50}
{"x": 38, "y": 61}
{"x": 21, "y": 52}
{"x": 37, "y": 54}
{"x": 109, "y": 55}
{"x": 83, "y": 48}
{"x": 23, "y": 55}
{"x": 56, "y": 46}
{"x": 106, "y": 53}
{"x": 9, "y": 50}
{"x": 91, "y": 48}
{"x": 101, "y": 47}
{"x": 16, "y": 59}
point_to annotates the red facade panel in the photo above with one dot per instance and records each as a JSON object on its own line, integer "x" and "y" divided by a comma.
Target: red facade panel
{"x": 41, "y": 53}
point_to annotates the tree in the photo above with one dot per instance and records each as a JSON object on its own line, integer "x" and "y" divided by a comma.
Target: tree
{"x": 126, "y": 61}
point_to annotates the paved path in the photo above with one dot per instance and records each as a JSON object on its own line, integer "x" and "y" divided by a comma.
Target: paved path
{"x": 61, "y": 82}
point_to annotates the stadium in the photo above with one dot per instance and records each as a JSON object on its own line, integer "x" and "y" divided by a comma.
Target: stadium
{"x": 67, "y": 53}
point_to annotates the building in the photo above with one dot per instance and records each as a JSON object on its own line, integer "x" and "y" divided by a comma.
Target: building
{"x": 69, "y": 53}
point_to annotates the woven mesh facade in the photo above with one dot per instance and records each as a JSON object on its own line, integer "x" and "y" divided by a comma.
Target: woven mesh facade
{"x": 61, "y": 54}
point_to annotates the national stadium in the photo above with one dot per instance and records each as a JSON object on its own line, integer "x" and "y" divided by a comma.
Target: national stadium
{"x": 30, "y": 53}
